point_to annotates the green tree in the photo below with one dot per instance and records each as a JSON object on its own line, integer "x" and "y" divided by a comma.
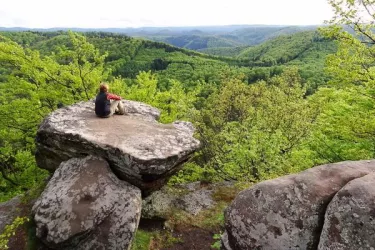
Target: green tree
{"x": 345, "y": 130}
{"x": 175, "y": 103}
{"x": 250, "y": 132}
{"x": 36, "y": 86}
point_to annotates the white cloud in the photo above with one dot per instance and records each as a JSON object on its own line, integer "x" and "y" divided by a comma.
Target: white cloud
{"x": 120, "y": 13}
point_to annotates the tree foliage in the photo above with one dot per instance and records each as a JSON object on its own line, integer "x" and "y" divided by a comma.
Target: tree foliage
{"x": 36, "y": 86}
{"x": 346, "y": 128}
{"x": 257, "y": 116}
{"x": 250, "y": 132}
{"x": 10, "y": 231}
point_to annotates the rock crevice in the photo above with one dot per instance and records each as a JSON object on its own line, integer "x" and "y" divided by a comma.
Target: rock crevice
{"x": 101, "y": 167}
{"x": 289, "y": 212}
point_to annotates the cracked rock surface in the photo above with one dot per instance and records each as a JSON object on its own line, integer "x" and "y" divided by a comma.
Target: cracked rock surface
{"x": 350, "y": 217}
{"x": 288, "y": 212}
{"x": 139, "y": 150}
{"x": 85, "y": 206}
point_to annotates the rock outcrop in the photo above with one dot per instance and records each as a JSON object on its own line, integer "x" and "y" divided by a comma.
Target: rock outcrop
{"x": 350, "y": 217}
{"x": 139, "y": 150}
{"x": 101, "y": 167}
{"x": 85, "y": 206}
{"x": 191, "y": 198}
{"x": 8, "y": 212}
{"x": 288, "y": 212}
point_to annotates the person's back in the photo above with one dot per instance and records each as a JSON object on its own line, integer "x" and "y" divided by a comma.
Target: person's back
{"x": 102, "y": 105}
{"x": 106, "y": 104}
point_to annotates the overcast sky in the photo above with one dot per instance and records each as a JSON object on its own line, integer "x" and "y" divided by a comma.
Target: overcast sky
{"x": 138, "y": 13}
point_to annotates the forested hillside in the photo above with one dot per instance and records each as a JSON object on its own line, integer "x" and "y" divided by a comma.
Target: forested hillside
{"x": 198, "y": 38}
{"x": 272, "y": 109}
{"x": 290, "y": 103}
{"x": 127, "y": 56}
{"x": 41, "y": 71}
{"x": 208, "y": 39}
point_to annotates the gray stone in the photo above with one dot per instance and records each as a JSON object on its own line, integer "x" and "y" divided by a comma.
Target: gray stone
{"x": 8, "y": 212}
{"x": 191, "y": 198}
{"x": 350, "y": 217}
{"x": 195, "y": 201}
{"x": 140, "y": 150}
{"x": 141, "y": 110}
{"x": 85, "y": 206}
{"x": 158, "y": 205}
{"x": 225, "y": 242}
{"x": 288, "y": 212}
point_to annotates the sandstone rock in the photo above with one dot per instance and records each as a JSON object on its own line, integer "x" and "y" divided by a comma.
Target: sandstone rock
{"x": 158, "y": 205}
{"x": 139, "y": 150}
{"x": 141, "y": 110}
{"x": 85, "y": 206}
{"x": 191, "y": 198}
{"x": 288, "y": 212}
{"x": 195, "y": 201}
{"x": 8, "y": 212}
{"x": 350, "y": 217}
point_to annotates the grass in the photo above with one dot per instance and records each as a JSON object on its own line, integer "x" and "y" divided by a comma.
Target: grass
{"x": 142, "y": 240}
{"x": 153, "y": 240}
{"x": 226, "y": 193}
{"x": 211, "y": 219}
{"x": 164, "y": 239}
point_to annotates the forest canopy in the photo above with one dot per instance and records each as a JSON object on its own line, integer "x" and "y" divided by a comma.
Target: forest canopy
{"x": 280, "y": 107}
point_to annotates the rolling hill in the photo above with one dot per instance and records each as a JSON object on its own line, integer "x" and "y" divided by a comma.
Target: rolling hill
{"x": 127, "y": 56}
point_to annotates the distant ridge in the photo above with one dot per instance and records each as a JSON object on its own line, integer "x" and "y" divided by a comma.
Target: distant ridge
{"x": 199, "y": 38}
{"x": 215, "y": 29}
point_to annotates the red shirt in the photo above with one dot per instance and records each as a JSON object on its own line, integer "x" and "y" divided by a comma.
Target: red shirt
{"x": 113, "y": 97}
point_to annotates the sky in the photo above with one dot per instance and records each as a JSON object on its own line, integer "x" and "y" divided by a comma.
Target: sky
{"x": 159, "y": 13}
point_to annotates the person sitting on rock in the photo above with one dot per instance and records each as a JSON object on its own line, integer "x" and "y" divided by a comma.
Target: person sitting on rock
{"x": 107, "y": 104}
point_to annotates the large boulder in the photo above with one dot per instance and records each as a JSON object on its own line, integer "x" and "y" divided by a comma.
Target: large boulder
{"x": 85, "y": 206}
{"x": 350, "y": 217}
{"x": 288, "y": 212}
{"x": 139, "y": 150}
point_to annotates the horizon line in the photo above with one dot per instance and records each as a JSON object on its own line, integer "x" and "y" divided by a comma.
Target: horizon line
{"x": 140, "y": 27}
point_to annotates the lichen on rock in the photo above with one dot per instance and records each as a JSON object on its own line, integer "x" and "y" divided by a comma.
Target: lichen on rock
{"x": 139, "y": 150}
{"x": 85, "y": 206}
{"x": 288, "y": 212}
{"x": 350, "y": 217}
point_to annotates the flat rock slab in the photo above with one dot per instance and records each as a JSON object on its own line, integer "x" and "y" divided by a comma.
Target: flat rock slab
{"x": 287, "y": 212}
{"x": 350, "y": 217}
{"x": 140, "y": 150}
{"x": 85, "y": 206}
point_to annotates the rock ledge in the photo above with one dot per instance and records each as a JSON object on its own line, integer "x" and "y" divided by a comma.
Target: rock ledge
{"x": 139, "y": 150}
